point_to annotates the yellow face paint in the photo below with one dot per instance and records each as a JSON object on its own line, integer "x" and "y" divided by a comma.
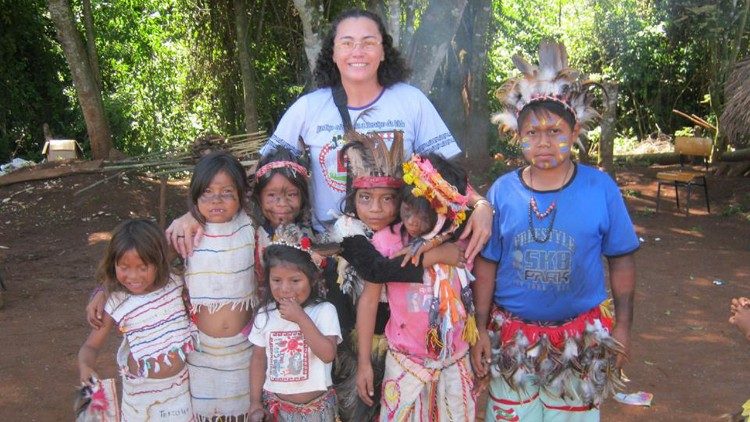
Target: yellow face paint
{"x": 544, "y": 121}
{"x": 557, "y": 123}
{"x": 546, "y": 165}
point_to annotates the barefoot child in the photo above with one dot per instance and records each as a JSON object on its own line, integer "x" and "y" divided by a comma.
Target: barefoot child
{"x": 427, "y": 371}
{"x": 145, "y": 303}
{"x": 294, "y": 336}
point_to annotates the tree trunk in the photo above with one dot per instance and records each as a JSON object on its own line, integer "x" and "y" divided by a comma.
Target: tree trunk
{"x": 476, "y": 140}
{"x": 88, "y": 24}
{"x": 609, "y": 120}
{"x": 432, "y": 40}
{"x": 246, "y": 66}
{"x": 312, "y": 23}
{"x": 89, "y": 95}
{"x": 393, "y": 20}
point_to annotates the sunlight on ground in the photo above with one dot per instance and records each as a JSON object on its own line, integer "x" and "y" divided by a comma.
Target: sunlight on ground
{"x": 98, "y": 237}
{"x": 691, "y": 232}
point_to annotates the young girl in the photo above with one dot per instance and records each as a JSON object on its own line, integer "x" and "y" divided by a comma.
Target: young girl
{"x": 372, "y": 204}
{"x": 145, "y": 303}
{"x": 295, "y": 334}
{"x": 221, "y": 282}
{"x": 427, "y": 371}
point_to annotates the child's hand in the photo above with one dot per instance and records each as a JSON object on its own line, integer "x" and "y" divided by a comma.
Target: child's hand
{"x": 257, "y": 414}
{"x": 365, "y": 391}
{"x": 738, "y": 303}
{"x": 290, "y": 310}
{"x": 86, "y": 374}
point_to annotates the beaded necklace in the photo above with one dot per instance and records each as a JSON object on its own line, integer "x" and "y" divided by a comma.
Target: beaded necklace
{"x": 551, "y": 211}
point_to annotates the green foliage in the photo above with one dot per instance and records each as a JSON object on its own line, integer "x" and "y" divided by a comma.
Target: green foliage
{"x": 33, "y": 75}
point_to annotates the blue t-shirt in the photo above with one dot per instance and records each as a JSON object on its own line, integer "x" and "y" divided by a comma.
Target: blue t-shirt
{"x": 563, "y": 277}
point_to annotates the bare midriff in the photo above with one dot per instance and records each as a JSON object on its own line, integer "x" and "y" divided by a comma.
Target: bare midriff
{"x": 165, "y": 371}
{"x": 301, "y": 398}
{"x": 224, "y": 322}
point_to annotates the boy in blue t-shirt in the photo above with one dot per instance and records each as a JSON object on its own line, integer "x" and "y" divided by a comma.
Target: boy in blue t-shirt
{"x": 540, "y": 292}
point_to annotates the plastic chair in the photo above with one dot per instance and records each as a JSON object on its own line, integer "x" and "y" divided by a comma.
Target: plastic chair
{"x": 686, "y": 147}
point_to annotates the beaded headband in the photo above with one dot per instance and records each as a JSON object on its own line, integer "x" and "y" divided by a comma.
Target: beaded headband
{"x": 279, "y": 164}
{"x": 291, "y": 235}
{"x": 552, "y": 81}
{"x": 443, "y": 197}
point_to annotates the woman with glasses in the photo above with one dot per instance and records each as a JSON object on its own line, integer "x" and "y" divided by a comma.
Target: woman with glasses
{"x": 360, "y": 77}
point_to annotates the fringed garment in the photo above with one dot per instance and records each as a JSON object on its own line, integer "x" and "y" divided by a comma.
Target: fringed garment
{"x": 220, "y": 377}
{"x": 220, "y": 272}
{"x": 320, "y": 409}
{"x": 428, "y": 390}
{"x": 153, "y": 399}
{"x": 573, "y": 360}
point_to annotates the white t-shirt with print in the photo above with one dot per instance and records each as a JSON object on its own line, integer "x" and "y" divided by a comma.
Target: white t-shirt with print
{"x": 291, "y": 367}
{"x": 313, "y": 123}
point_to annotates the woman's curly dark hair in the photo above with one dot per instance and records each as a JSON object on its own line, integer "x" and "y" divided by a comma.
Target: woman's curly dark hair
{"x": 392, "y": 70}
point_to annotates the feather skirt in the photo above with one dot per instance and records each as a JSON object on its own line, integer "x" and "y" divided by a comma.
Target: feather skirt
{"x": 554, "y": 356}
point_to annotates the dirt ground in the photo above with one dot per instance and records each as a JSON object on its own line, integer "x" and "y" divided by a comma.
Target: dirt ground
{"x": 683, "y": 350}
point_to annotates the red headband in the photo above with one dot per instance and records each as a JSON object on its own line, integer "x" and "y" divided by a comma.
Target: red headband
{"x": 368, "y": 182}
{"x": 282, "y": 164}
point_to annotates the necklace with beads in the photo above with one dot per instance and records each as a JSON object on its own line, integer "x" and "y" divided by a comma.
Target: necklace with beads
{"x": 551, "y": 211}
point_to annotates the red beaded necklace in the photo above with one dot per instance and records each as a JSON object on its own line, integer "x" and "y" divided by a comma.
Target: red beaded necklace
{"x": 550, "y": 211}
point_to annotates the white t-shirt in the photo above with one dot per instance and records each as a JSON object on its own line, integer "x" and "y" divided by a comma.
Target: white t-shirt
{"x": 313, "y": 123}
{"x": 291, "y": 367}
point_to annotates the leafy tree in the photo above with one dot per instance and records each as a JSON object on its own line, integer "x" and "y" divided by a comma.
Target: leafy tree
{"x": 33, "y": 78}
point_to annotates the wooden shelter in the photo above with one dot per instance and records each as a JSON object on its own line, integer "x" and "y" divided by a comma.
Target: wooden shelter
{"x": 735, "y": 120}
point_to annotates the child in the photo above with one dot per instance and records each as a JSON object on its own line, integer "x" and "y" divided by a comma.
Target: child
{"x": 221, "y": 282}
{"x": 427, "y": 372}
{"x": 740, "y": 318}
{"x": 279, "y": 196}
{"x": 371, "y": 204}
{"x": 540, "y": 287}
{"x": 145, "y": 303}
{"x": 294, "y": 336}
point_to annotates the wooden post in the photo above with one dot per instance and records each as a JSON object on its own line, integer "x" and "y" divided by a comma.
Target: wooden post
{"x": 609, "y": 121}
{"x": 163, "y": 201}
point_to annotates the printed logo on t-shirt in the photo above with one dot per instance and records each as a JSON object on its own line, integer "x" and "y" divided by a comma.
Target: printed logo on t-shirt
{"x": 543, "y": 266}
{"x": 289, "y": 359}
{"x": 333, "y": 167}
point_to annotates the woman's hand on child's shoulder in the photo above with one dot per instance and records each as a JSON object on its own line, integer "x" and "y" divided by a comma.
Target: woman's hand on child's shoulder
{"x": 290, "y": 310}
{"x": 184, "y": 234}
{"x": 95, "y": 309}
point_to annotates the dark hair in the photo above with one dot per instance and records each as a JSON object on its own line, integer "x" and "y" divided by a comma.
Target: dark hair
{"x": 546, "y": 106}
{"x": 147, "y": 240}
{"x": 451, "y": 173}
{"x": 392, "y": 70}
{"x": 275, "y": 255}
{"x": 296, "y": 179}
{"x": 205, "y": 171}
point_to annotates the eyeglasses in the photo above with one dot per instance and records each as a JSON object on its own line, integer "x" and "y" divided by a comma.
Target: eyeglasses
{"x": 365, "y": 45}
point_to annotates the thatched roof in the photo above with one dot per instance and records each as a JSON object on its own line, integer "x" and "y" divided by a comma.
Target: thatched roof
{"x": 735, "y": 120}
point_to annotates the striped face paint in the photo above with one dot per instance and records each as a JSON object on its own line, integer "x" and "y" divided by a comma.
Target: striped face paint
{"x": 558, "y": 122}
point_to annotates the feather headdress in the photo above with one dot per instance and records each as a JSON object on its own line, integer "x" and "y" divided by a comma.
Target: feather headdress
{"x": 371, "y": 164}
{"x": 553, "y": 81}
